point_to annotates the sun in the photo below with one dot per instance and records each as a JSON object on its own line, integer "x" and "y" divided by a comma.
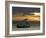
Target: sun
{"x": 36, "y": 14}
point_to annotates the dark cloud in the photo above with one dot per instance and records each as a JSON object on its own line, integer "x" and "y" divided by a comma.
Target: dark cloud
{"x": 24, "y": 10}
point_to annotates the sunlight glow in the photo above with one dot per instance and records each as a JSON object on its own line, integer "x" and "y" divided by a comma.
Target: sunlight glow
{"x": 37, "y": 14}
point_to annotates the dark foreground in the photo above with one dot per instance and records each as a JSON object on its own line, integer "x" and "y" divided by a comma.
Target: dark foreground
{"x": 24, "y": 25}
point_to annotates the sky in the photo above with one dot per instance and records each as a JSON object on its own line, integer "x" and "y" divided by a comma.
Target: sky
{"x": 24, "y": 10}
